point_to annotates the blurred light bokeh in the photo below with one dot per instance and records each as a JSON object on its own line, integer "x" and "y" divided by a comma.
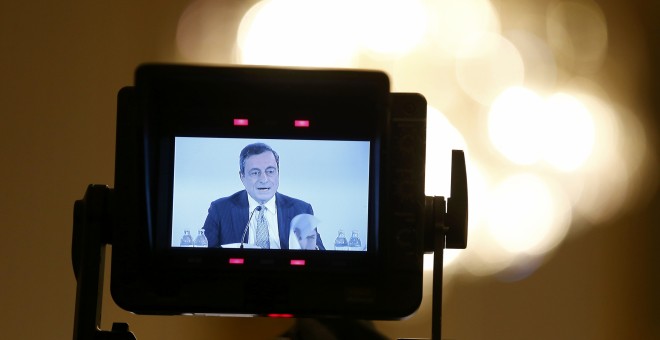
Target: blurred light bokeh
{"x": 591, "y": 272}
{"x": 546, "y": 145}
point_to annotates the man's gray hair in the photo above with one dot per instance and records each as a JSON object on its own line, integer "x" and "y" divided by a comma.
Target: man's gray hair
{"x": 256, "y": 149}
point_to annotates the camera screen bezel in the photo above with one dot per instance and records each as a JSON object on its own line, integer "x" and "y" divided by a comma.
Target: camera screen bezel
{"x": 339, "y": 105}
{"x": 182, "y": 100}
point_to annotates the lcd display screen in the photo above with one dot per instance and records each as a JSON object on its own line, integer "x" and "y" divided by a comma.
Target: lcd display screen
{"x": 306, "y": 194}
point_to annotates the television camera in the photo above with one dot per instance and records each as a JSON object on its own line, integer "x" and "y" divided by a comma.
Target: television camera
{"x": 347, "y": 145}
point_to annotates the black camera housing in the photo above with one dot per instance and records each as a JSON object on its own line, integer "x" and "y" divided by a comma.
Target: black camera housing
{"x": 151, "y": 277}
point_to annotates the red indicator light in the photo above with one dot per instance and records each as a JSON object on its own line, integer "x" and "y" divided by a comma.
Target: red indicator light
{"x": 297, "y": 262}
{"x": 236, "y": 261}
{"x": 301, "y": 123}
{"x": 276, "y": 315}
{"x": 240, "y": 122}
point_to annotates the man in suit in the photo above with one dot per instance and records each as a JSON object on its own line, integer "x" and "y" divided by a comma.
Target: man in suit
{"x": 258, "y": 215}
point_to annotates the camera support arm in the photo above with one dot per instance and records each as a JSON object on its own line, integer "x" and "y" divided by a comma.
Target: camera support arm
{"x": 92, "y": 230}
{"x": 445, "y": 226}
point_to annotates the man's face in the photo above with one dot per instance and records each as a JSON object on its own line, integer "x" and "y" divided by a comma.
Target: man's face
{"x": 261, "y": 178}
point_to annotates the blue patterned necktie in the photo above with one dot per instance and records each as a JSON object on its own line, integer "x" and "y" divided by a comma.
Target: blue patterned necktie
{"x": 261, "y": 236}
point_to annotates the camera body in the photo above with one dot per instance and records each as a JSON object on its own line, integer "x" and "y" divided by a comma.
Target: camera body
{"x": 352, "y": 149}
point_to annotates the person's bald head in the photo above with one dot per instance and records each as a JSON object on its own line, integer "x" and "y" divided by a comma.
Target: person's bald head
{"x": 304, "y": 227}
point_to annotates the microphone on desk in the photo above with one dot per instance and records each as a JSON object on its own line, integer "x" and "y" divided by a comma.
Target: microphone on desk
{"x": 248, "y": 224}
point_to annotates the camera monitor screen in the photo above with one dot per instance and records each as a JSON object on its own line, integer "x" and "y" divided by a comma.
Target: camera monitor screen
{"x": 232, "y": 181}
{"x": 320, "y": 186}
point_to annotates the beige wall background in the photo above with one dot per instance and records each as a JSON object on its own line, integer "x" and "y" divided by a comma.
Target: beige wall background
{"x": 61, "y": 65}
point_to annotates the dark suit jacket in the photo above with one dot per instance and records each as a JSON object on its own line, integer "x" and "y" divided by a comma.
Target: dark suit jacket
{"x": 228, "y": 217}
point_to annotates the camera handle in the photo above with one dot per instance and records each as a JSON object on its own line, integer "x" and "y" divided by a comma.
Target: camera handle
{"x": 92, "y": 231}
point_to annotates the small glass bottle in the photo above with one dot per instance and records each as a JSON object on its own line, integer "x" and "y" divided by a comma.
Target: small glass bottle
{"x": 340, "y": 241}
{"x": 200, "y": 240}
{"x": 186, "y": 240}
{"x": 354, "y": 243}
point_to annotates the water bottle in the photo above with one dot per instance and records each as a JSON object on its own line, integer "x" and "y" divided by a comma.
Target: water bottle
{"x": 354, "y": 243}
{"x": 200, "y": 240}
{"x": 186, "y": 240}
{"x": 340, "y": 241}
